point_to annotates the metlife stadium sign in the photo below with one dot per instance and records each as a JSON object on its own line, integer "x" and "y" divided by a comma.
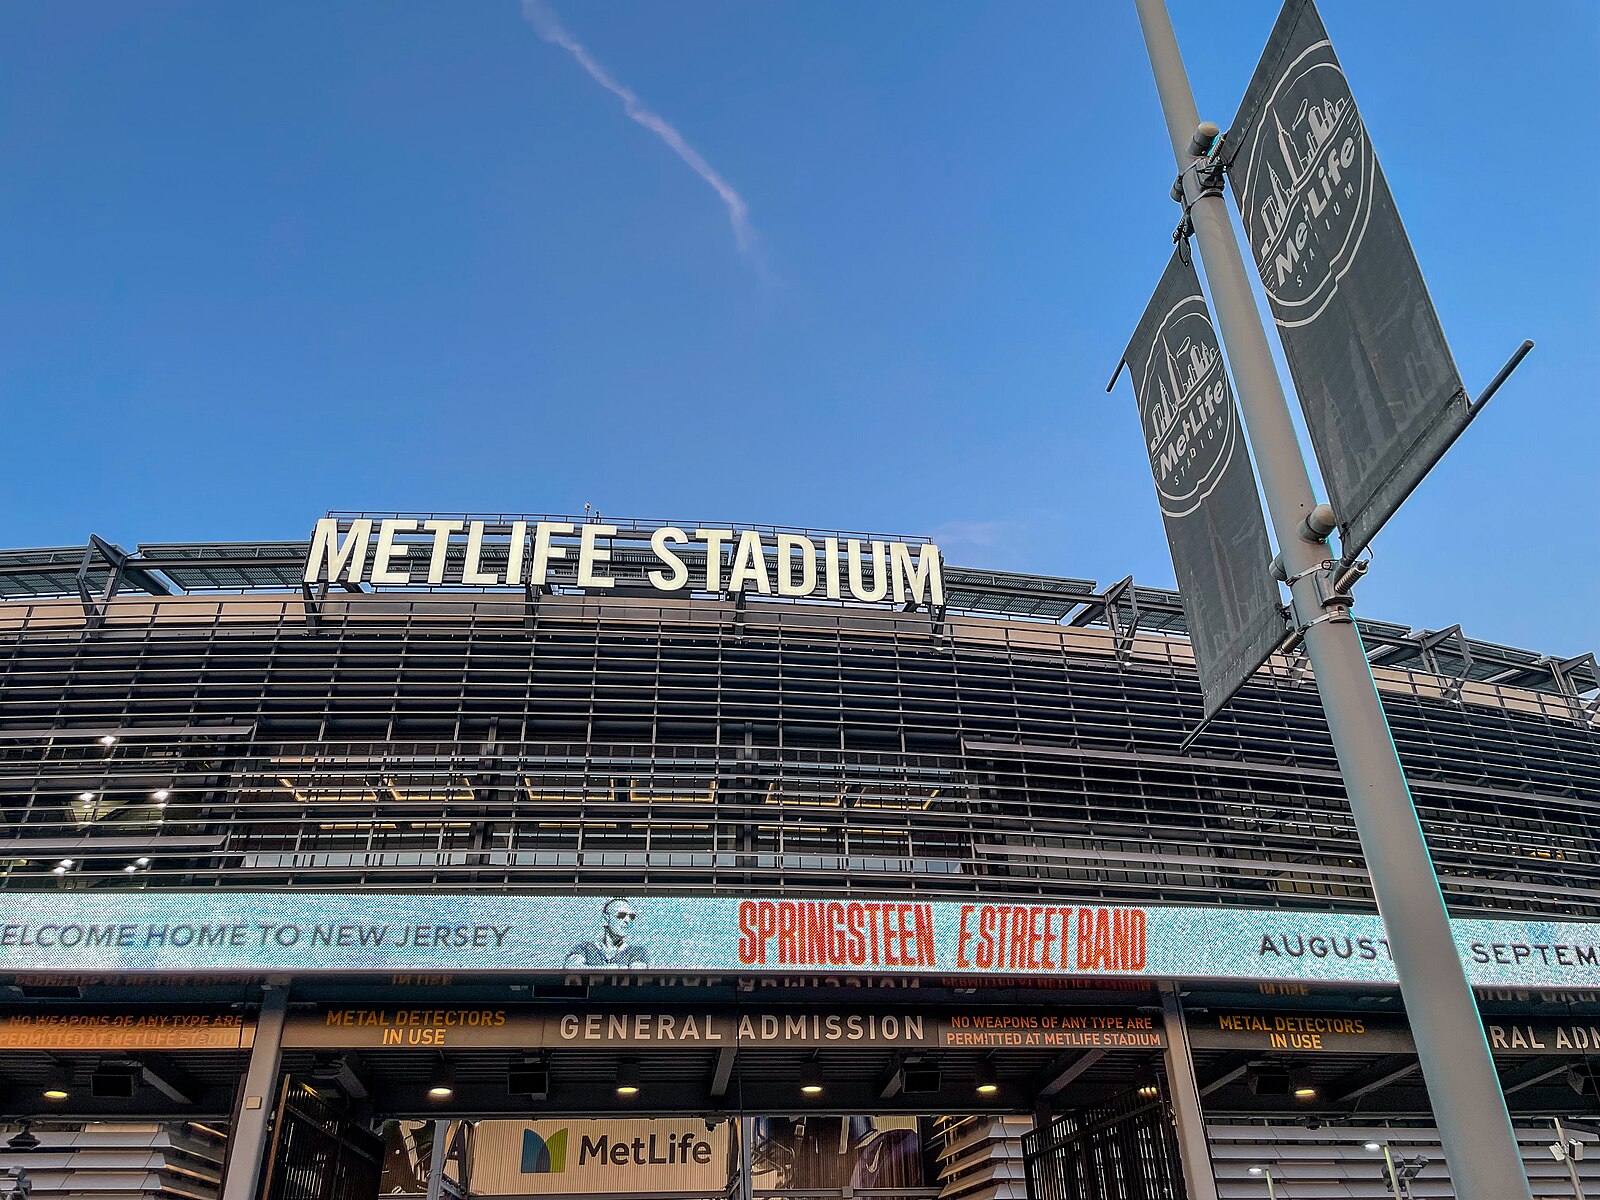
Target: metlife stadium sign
{"x": 462, "y": 552}
{"x": 324, "y": 933}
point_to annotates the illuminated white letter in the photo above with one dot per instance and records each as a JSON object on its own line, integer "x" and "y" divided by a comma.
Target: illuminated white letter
{"x": 788, "y": 585}
{"x": 387, "y": 551}
{"x": 471, "y": 574}
{"x": 880, "y": 572}
{"x": 912, "y": 581}
{"x": 750, "y": 562}
{"x": 328, "y": 558}
{"x": 713, "y": 538}
{"x": 589, "y": 555}
{"x": 519, "y": 544}
{"x": 441, "y": 531}
{"x": 543, "y": 551}
{"x": 676, "y": 574}
{"x": 830, "y": 566}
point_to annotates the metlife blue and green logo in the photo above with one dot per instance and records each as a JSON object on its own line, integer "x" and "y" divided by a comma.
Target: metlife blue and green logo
{"x": 544, "y": 1155}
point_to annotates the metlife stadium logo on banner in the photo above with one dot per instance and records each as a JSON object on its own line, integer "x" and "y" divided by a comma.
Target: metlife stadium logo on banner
{"x": 1307, "y": 182}
{"x": 324, "y": 933}
{"x": 1186, "y": 407}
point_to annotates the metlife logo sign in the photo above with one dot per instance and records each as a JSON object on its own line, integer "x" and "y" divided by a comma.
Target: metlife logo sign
{"x": 599, "y": 1157}
{"x": 544, "y": 1155}
{"x": 1308, "y": 184}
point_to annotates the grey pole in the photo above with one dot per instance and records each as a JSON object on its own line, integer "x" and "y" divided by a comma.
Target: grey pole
{"x": 1389, "y": 1176}
{"x": 247, "y": 1141}
{"x": 441, "y": 1150}
{"x": 1566, "y": 1157}
{"x": 747, "y": 1183}
{"x": 1194, "y": 1153}
{"x": 1484, "y": 1161}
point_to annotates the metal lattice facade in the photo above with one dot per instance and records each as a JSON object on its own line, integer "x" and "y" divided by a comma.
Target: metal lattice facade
{"x": 480, "y": 741}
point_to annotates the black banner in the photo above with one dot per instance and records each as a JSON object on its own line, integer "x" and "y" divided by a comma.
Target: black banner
{"x": 1206, "y": 486}
{"x": 1379, "y": 388}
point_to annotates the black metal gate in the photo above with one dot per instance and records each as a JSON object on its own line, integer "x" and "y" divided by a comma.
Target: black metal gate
{"x": 1123, "y": 1150}
{"x": 319, "y": 1153}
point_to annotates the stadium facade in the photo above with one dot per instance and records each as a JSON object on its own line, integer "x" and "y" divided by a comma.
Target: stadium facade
{"x": 442, "y": 818}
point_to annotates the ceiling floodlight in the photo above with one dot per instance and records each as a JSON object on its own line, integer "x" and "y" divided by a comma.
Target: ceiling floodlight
{"x": 117, "y": 1081}
{"x": 141, "y": 861}
{"x": 1372, "y": 1146}
{"x": 1301, "y": 1086}
{"x": 627, "y": 1079}
{"x": 986, "y": 1084}
{"x": 530, "y": 1077}
{"x": 160, "y": 795}
{"x": 1269, "y": 1081}
{"x": 86, "y": 797}
{"x": 57, "y": 1087}
{"x": 444, "y": 1083}
{"x": 108, "y": 740}
{"x": 920, "y": 1077}
{"x": 811, "y": 1080}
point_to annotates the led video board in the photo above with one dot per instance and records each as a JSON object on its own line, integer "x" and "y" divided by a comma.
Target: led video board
{"x": 326, "y": 932}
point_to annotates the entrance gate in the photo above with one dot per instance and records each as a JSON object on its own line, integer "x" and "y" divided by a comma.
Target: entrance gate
{"x": 319, "y": 1153}
{"x": 1123, "y": 1150}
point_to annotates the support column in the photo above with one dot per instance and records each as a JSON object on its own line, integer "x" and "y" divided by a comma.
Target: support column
{"x": 1194, "y": 1152}
{"x": 441, "y": 1151}
{"x": 747, "y": 1157}
{"x": 247, "y": 1140}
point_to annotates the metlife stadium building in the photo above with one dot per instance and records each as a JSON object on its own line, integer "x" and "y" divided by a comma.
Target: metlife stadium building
{"x": 703, "y": 859}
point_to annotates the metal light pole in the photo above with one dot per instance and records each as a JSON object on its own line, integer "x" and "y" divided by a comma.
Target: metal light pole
{"x": 1474, "y": 1127}
{"x": 1390, "y": 1175}
{"x": 1564, "y": 1146}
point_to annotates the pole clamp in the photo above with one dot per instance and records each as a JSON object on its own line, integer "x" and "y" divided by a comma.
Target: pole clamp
{"x": 1333, "y": 603}
{"x": 1206, "y": 175}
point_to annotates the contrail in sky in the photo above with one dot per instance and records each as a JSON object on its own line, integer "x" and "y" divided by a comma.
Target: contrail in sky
{"x": 549, "y": 27}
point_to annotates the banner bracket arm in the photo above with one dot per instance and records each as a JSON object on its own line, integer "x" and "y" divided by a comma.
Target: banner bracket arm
{"x": 1512, "y": 364}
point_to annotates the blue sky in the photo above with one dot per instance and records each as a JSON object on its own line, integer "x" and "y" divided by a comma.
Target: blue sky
{"x": 263, "y": 260}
